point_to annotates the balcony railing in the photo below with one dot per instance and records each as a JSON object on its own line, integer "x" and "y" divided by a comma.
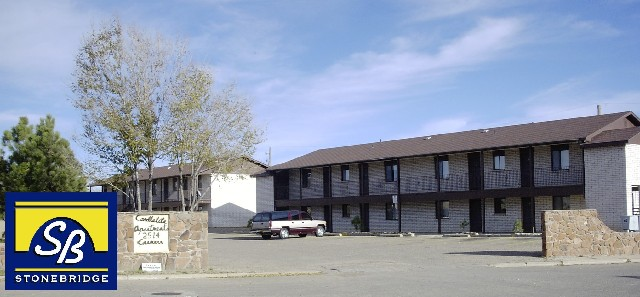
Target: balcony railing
{"x": 501, "y": 179}
{"x": 493, "y": 179}
{"x": 418, "y": 184}
{"x": 546, "y": 177}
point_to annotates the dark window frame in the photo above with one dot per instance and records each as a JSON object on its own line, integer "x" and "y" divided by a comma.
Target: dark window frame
{"x": 391, "y": 171}
{"x": 561, "y": 202}
{"x": 443, "y": 171}
{"x": 443, "y": 209}
{"x": 346, "y": 210}
{"x": 391, "y": 211}
{"x": 499, "y": 160}
{"x": 560, "y": 157}
{"x": 345, "y": 174}
{"x": 305, "y": 177}
{"x": 499, "y": 205}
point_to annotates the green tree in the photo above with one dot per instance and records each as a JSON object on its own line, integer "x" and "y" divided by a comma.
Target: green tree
{"x": 39, "y": 160}
{"x": 122, "y": 79}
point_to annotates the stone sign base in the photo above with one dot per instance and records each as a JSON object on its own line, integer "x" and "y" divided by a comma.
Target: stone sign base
{"x": 579, "y": 233}
{"x": 188, "y": 245}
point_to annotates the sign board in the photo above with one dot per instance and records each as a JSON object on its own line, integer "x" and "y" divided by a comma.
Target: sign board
{"x": 151, "y": 267}
{"x": 61, "y": 241}
{"x": 151, "y": 233}
{"x": 394, "y": 199}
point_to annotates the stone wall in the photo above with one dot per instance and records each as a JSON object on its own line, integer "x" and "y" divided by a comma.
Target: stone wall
{"x": 2, "y": 256}
{"x": 580, "y": 233}
{"x": 188, "y": 243}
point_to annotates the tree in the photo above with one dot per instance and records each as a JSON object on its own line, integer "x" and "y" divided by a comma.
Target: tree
{"x": 123, "y": 77}
{"x": 211, "y": 133}
{"x": 39, "y": 160}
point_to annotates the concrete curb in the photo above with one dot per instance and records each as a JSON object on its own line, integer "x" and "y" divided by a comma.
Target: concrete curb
{"x": 216, "y": 275}
{"x": 569, "y": 262}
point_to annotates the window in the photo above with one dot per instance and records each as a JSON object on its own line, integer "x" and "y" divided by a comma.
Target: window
{"x": 500, "y": 205}
{"x": 306, "y": 175}
{"x": 344, "y": 169}
{"x": 200, "y": 181}
{"x": 635, "y": 200}
{"x": 391, "y": 211}
{"x": 443, "y": 167}
{"x": 154, "y": 188}
{"x": 498, "y": 160}
{"x": 442, "y": 209}
{"x": 305, "y": 216}
{"x": 391, "y": 171}
{"x": 561, "y": 203}
{"x": 346, "y": 210}
{"x": 175, "y": 183}
{"x": 185, "y": 183}
{"x": 559, "y": 157}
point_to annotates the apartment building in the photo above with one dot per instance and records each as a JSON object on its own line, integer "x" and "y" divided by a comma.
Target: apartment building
{"x": 487, "y": 180}
{"x": 230, "y": 199}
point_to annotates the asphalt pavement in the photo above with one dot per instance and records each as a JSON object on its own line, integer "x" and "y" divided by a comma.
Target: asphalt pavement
{"x": 246, "y": 265}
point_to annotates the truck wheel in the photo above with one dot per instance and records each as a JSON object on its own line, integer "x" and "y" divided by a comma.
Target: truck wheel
{"x": 284, "y": 233}
{"x": 320, "y": 231}
{"x": 266, "y": 236}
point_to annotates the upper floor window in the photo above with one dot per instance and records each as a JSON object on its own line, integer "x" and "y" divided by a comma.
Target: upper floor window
{"x": 499, "y": 160}
{"x": 559, "y": 157}
{"x": 344, "y": 172}
{"x": 154, "y": 188}
{"x": 390, "y": 171}
{"x": 443, "y": 167}
{"x": 199, "y": 181}
{"x": 306, "y": 175}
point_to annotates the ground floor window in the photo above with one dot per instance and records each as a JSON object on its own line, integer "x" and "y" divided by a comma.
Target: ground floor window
{"x": 391, "y": 211}
{"x": 442, "y": 209}
{"x": 561, "y": 203}
{"x": 499, "y": 205}
{"x": 346, "y": 210}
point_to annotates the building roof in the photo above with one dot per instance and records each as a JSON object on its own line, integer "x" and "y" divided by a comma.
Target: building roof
{"x": 248, "y": 166}
{"x": 580, "y": 130}
{"x": 628, "y": 135}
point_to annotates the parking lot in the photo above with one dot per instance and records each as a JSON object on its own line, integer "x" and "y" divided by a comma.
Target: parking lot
{"x": 380, "y": 266}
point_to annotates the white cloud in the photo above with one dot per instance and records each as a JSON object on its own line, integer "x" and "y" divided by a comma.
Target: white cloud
{"x": 370, "y": 76}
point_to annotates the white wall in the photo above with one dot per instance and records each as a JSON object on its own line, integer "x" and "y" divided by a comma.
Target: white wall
{"x": 233, "y": 201}
{"x": 632, "y": 157}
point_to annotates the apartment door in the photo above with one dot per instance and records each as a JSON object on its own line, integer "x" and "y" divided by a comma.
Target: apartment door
{"x": 364, "y": 217}
{"x": 364, "y": 179}
{"x": 526, "y": 167}
{"x": 326, "y": 181}
{"x": 328, "y": 217}
{"x": 475, "y": 171}
{"x": 475, "y": 215}
{"x": 528, "y": 215}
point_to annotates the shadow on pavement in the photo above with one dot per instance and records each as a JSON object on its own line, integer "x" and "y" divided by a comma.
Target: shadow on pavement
{"x": 501, "y": 253}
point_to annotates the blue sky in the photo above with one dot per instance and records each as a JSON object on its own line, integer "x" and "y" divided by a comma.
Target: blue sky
{"x": 338, "y": 72}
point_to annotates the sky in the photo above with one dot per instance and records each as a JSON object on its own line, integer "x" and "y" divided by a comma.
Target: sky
{"x": 334, "y": 73}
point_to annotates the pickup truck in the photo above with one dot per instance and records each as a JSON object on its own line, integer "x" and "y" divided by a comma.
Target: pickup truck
{"x": 283, "y": 223}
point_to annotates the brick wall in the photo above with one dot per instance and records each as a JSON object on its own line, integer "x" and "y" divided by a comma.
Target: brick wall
{"x": 188, "y": 243}
{"x": 418, "y": 175}
{"x": 580, "y": 233}
{"x": 348, "y": 188}
{"x": 264, "y": 193}
{"x": 605, "y": 183}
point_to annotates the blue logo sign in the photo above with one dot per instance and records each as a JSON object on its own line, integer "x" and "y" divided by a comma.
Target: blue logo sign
{"x": 61, "y": 241}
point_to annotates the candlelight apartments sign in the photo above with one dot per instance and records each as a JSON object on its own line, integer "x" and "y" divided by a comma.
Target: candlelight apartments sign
{"x": 151, "y": 234}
